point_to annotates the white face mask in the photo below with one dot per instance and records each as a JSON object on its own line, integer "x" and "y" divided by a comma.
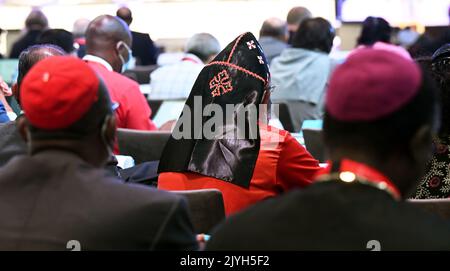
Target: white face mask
{"x": 125, "y": 65}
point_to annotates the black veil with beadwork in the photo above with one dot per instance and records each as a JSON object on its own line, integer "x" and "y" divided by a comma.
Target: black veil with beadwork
{"x": 237, "y": 76}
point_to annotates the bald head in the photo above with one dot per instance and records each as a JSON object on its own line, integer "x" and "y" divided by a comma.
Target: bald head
{"x": 274, "y": 27}
{"x": 296, "y": 16}
{"x": 108, "y": 37}
{"x": 124, "y": 13}
{"x": 79, "y": 27}
{"x": 106, "y": 29}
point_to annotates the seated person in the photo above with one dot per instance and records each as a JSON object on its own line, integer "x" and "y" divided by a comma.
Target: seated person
{"x": 246, "y": 168}
{"x": 436, "y": 181}
{"x": 108, "y": 42}
{"x": 11, "y": 143}
{"x": 58, "y": 192}
{"x": 376, "y": 33}
{"x": 377, "y": 152}
{"x": 175, "y": 81}
{"x": 301, "y": 73}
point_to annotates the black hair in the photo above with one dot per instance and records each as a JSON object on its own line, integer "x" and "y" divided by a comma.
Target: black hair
{"x": 59, "y": 37}
{"x": 388, "y": 134}
{"x": 375, "y": 29}
{"x": 440, "y": 69}
{"x": 314, "y": 34}
{"x": 36, "y": 19}
{"x": 33, "y": 55}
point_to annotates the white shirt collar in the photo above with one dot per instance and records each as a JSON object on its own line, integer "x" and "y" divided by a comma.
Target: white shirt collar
{"x": 98, "y": 60}
{"x": 193, "y": 57}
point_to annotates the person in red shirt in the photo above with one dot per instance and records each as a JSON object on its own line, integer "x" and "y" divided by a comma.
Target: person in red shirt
{"x": 246, "y": 170}
{"x": 108, "y": 42}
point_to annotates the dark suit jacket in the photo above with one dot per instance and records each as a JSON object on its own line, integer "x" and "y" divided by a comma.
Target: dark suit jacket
{"x": 29, "y": 39}
{"x": 144, "y": 50}
{"x": 332, "y": 216}
{"x": 11, "y": 143}
{"x": 53, "y": 197}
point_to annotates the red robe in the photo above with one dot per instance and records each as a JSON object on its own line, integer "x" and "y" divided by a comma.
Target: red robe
{"x": 282, "y": 164}
{"x": 133, "y": 111}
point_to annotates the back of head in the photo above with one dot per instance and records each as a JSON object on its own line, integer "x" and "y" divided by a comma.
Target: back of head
{"x": 375, "y": 29}
{"x": 79, "y": 27}
{"x": 376, "y": 105}
{"x": 315, "y": 34}
{"x": 106, "y": 30}
{"x": 205, "y": 46}
{"x": 274, "y": 27}
{"x": 58, "y": 37}
{"x": 33, "y": 54}
{"x": 440, "y": 69}
{"x": 64, "y": 100}
{"x": 238, "y": 76}
{"x": 36, "y": 20}
{"x": 297, "y": 15}
{"x": 125, "y": 14}
{"x": 109, "y": 38}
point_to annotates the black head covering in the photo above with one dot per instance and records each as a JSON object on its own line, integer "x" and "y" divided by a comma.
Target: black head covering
{"x": 443, "y": 51}
{"x": 239, "y": 76}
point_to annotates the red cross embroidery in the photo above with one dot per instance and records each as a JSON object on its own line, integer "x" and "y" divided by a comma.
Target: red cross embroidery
{"x": 251, "y": 45}
{"x": 220, "y": 84}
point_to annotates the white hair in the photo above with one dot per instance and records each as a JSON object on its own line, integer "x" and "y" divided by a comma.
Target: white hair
{"x": 203, "y": 45}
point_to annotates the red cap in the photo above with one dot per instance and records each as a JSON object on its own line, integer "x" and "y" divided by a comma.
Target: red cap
{"x": 58, "y": 91}
{"x": 372, "y": 84}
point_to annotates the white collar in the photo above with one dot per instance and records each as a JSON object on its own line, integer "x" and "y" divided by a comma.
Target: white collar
{"x": 98, "y": 60}
{"x": 193, "y": 58}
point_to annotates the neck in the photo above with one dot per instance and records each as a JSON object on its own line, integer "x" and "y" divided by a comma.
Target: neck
{"x": 78, "y": 148}
{"x": 107, "y": 56}
{"x": 392, "y": 168}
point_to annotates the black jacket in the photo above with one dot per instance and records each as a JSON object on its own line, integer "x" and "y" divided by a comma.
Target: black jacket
{"x": 29, "y": 39}
{"x": 53, "y": 197}
{"x": 332, "y": 216}
{"x": 144, "y": 50}
{"x": 11, "y": 143}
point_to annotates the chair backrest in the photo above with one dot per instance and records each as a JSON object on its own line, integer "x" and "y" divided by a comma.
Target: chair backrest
{"x": 143, "y": 146}
{"x": 206, "y": 208}
{"x": 441, "y": 207}
{"x": 141, "y": 74}
{"x": 314, "y": 143}
{"x": 285, "y": 117}
{"x": 154, "y": 106}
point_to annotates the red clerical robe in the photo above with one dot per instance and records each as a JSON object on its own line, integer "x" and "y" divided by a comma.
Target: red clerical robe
{"x": 282, "y": 164}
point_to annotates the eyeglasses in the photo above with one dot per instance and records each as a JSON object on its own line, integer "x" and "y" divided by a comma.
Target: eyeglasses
{"x": 271, "y": 88}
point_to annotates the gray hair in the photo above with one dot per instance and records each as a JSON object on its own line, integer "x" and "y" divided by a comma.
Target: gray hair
{"x": 274, "y": 27}
{"x": 203, "y": 45}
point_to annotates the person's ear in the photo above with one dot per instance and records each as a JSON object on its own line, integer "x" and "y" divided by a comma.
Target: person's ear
{"x": 109, "y": 131}
{"x": 421, "y": 145}
{"x": 23, "y": 128}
